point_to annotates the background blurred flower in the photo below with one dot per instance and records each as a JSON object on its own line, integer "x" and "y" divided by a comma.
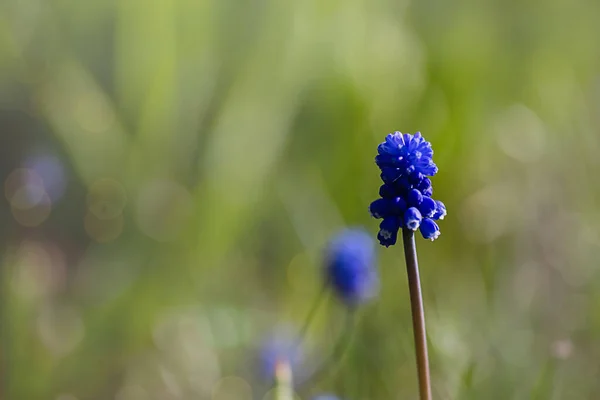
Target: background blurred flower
{"x": 281, "y": 347}
{"x": 351, "y": 267}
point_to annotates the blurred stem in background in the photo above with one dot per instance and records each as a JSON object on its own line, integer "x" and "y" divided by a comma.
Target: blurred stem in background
{"x": 311, "y": 315}
{"x": 341, "y": 344}
{"x": 418, "y": 313}
{"x": 283, "y": 381}
{"x": 337, "y": 354}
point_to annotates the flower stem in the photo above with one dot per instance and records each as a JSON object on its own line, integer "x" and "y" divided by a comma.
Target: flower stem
{"x": 339, "y": 351}
{"x": 311, "y": 315}
{"x": 283, "y": 382}
{"x": 418, "y": 314}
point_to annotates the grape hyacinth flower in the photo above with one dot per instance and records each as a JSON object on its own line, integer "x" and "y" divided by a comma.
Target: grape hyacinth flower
{"x": 326, "y": 397}
{"x": 350, "y": 271}
{"x": 350, "y": 266}
{"x": 406, "y": 161}
{"x": 280, "y": 348}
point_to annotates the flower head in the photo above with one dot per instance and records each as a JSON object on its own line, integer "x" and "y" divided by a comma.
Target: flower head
{"x": 402, "y": 154}
{"x": 406, "y": 161}
{"x": 280, "y": 348}
{"x": 350, "y": 266}
{"x": 326, "y": 397}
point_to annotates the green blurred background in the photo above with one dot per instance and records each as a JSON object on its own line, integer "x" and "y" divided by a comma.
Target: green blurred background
{"x": 173, "y": 168}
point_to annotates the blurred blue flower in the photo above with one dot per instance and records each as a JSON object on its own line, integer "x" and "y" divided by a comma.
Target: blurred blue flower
{"x": 406, "y": 161}
{"x": 325, "y": 397}
{"x": 351, "y": 269}
{"x": 280, "y": 347}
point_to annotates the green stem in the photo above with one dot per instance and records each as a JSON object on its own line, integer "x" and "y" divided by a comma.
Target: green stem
{"x": 283, "y": 382}
{"x": 338, "y": 353}
{"x": 418, "y": 314}
{"x": 311, "y": 315}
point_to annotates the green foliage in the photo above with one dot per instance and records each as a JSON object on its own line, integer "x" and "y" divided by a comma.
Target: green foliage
{"x": 243, "y": 135}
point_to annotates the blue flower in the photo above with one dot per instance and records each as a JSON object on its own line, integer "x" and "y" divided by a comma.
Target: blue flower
{"x": 381, "y": 208}
{"x": 425, "y": 186}
{"x": 429, "y": 229}
{"x": 414, "y": 198}
{"x": 279, "y": 347}
{"x": 412, "y": 218}
{"x": 388, "y": 230}
{"x": 440, "y": 210}
{"x": 325, "y": 397}
{"x": 350, "y": 266}
{"x": 428, "y": 207}
{"x": 402, "y": 154}
{"x": 406, "y": 162}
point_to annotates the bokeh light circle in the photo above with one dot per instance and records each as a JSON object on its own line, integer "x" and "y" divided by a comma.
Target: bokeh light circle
{"x": 33, "y": 216}
{"x": 40, "y": 270}
{"x": 106, "y": 199}
{"x": 50, "y": 168}
{"x": 24, "y": 188}
{"x": 101, "y": 229}
{"x": 60, "y": 329}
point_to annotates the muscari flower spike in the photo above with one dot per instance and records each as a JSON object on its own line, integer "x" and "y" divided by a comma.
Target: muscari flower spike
{"x": 279, "y": 347}
{"x": 350, "y": 266}
{"x": 406, "y": 162}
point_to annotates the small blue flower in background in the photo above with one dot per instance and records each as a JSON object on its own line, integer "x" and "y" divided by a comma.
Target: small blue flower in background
{"x": 280, "y": 347}
{"x": 326, "y": 397}
{"x": 406, "y": 161}
{"x": 350, "y": 265}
